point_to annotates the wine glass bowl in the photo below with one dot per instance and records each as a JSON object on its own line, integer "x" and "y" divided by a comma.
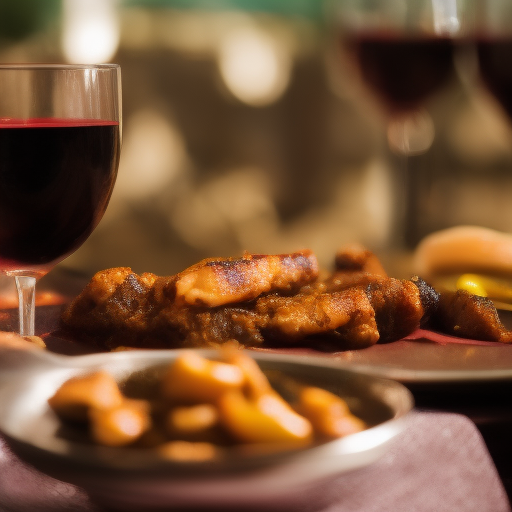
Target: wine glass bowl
{"x": 493, "y": 38}
{"x": 403, "y": 53}
{"x": 59, "y": 154}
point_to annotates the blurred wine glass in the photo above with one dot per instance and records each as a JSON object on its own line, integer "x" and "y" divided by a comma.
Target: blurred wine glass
{"x": 493, "y": 37}
{"x": 59, "y": 154}
{"x": 403, "y": 52}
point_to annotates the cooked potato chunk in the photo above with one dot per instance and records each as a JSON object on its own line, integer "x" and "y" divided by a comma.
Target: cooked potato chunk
{"x": 76, "y": 396}
{"x": 256, "y": 382}
{"x": 187, "y": 451}
{"x": 193, "y": 378}
{"x": 120, "y": 425}
{"x": 266, "y": 419}
{"x": 328, "y": 413}
{"x": 192, "y": 420}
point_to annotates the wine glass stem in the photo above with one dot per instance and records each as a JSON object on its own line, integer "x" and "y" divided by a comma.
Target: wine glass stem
{"x": 26, "y": 286}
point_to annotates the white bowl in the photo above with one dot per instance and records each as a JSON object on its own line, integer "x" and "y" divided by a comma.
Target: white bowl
{"x": 126, "y": 479}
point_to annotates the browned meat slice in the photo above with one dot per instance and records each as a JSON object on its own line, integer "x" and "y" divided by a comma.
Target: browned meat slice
{"x": 215, "y": 282}
{"x": 469, "y": 316}
{"x": 114, "y": 299}
{"x": 274, "y": 319}
{"x": 398, "y": 307}
{"x": 354, "y": 266}
{"x": 120, "y": 308}
{"x": 203, "y": 327}
{"x": 355, "y": 257}
{"x": 348, "y": 315}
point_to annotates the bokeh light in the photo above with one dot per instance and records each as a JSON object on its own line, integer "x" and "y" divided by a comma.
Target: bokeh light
{"x": 91, "y": 30}
{"x": 254, "y": 65}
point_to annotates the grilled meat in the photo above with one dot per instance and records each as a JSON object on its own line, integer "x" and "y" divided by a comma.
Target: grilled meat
{"x": 398, "y": 307}
{"x": 355, "y": 257}
{"x": 114, "y": 299}
{"x": 270, "y": 300}
{"x": 347, "y": 314}
{"x": 469, "y": 316}
{"x": 215, "y": 282}
{"x": 429, "y": 298}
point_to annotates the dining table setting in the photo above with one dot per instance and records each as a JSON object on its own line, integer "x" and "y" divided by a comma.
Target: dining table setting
{"x": 253, "y": 381}
{"x": 449, "y": 450}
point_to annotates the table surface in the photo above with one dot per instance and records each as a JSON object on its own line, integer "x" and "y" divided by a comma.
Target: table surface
{"x": 487, "y": 406}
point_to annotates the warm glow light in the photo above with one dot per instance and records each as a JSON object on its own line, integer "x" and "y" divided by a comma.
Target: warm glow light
{"x": 254, "y": 66}
{"x": 91, "y": 30}
{"x": 234, "y": 207}
{"x": 153, "y": 155}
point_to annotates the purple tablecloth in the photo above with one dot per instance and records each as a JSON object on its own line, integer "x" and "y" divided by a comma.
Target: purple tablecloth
{"x": 439, "y": 463}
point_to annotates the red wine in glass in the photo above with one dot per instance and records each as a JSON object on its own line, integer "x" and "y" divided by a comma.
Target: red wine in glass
{"x": 59, "y": 151}
{"x": 402, "y": 69}
{"x": 56, "y": 179}
{"x": 495, "y": 60}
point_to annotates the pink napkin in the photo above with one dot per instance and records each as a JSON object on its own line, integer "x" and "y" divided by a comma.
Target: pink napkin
{"x": 439, "y": 463}
{"x": 443, "y": 339}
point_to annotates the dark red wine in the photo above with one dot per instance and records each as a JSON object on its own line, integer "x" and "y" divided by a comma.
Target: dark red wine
{"x": 403, "y": 70}
{"x": 56, "y": 178}
{"x": 495, "y": 59}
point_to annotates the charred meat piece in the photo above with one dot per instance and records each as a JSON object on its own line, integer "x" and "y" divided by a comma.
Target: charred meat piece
{"x": 144, "y": 311}
{"x": 354, "y": 266}
{"x": 114, "y": 299}
{"x": 429, "y": 298}
{"x": 355, "y": 257}
{"x": 274, "y": 319}
{"x": 215, "y": 282}
{"x": 348, "y": 315}
{"x": 469, "y": 316}
{"x": 398, "y": 307}
{"x": 272, "y": 300}
{"x": 205, "y": 327}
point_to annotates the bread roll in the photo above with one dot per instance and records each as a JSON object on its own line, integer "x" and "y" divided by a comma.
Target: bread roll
{"x": 464, "y": 249}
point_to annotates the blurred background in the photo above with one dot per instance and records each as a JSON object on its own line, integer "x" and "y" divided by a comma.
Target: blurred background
{"x": 245, "y": 128}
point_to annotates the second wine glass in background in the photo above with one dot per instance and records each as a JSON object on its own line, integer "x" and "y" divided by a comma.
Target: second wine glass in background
{"x": 493, "y": 38}
{"x": 403, "y": 53}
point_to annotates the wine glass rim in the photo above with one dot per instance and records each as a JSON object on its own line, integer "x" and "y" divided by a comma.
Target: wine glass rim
{"x": 51, "y": 66}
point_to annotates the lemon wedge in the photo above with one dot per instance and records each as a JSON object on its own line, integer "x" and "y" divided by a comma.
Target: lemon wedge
{"x": 484, "y": 286}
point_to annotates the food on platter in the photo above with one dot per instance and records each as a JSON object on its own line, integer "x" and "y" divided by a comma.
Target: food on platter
{"x": 195, "y": 408}
{"x": 466, "y": 315}
{"x": 121, "y": 308}
{"x": 272, "y": 300}
{"x": 471, "y": 258}
{"x": 464, "y": 249}
{"x": 216, "y": 282}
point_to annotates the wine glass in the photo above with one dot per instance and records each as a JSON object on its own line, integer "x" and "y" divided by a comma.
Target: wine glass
{"x": 403, "y": 53}
{"x": 60, "y": 129}
{"x": 493, "y": 37}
